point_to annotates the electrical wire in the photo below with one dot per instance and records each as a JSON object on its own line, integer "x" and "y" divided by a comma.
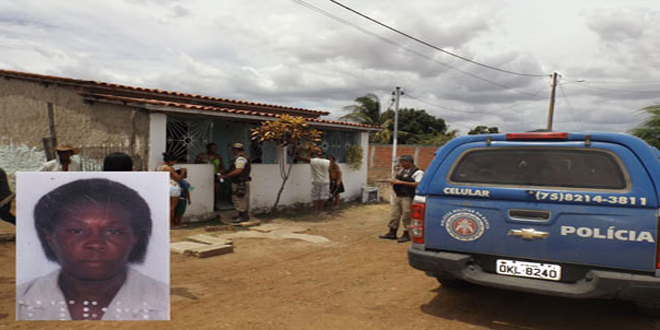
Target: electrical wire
{"x": 472, "y": 111}
{"x": 433, "y": 46}
{"x": 617, "y": 90}
{"x": 612, "y": 82}
{"x": 577, "y": 123}
{"x": 347, "y": 23}
{"x": 623, "y": 82}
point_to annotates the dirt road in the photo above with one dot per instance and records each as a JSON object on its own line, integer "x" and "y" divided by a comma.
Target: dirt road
{"x": 355, "y": 282}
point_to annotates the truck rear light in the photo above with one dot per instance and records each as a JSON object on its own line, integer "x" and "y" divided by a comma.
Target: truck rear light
{"x": 537, "y": 136}
{"x": 416, "y": 229}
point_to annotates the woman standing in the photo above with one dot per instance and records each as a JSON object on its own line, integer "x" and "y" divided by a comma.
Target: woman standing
{"x": 336, "y": 182}
{"x": 175, "y": 190}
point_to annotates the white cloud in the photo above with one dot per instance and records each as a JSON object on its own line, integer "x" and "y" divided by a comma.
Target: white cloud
{"x": 281, "y": 52}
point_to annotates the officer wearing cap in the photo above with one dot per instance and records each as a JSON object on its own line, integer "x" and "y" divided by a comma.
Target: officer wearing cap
{"x": 239, "y": 175}
{"x": 404, "y": 185}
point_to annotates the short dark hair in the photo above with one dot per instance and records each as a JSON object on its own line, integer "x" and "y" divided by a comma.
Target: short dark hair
{"x": 102, "y": 191}
{"x": 117, "y": 161}
{"x": 209, "y": 145}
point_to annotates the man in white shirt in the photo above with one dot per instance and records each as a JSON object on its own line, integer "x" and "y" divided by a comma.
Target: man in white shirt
{"x": 320, "y": 181}
{"x": 404, "y": 186}
{"x": 63, "y": 162}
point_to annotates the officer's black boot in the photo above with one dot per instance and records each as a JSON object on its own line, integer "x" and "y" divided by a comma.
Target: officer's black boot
{"x": 404, "y": 238}
{"x": 390, "y": 235}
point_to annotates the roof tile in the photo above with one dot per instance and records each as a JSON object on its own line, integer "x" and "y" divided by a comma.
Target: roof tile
{"x": 91, "y": 83}
{"x": 214, "y": 109}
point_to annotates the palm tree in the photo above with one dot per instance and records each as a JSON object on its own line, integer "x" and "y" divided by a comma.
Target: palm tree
{"x": 649, "y": 130}
{"x": 367, "y": 111}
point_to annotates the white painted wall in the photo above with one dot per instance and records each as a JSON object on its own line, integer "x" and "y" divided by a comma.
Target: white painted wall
{"x": 14, "y": 158}
{"x": 266, "y": 182}
{"x": 200, "y": 177}
{"x": 266, "y": 178}
{"x": 157, "y": 139}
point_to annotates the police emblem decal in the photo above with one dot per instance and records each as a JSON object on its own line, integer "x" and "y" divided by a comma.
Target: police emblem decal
{"x": 465, "y": 225}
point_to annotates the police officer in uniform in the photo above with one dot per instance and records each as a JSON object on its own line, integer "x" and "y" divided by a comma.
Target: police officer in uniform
{"x": 239, "y": 175}
{"x": 404, "y": 186}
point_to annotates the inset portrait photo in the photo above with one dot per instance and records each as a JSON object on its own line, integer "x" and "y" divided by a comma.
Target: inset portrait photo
{"x": 92, "y": 246}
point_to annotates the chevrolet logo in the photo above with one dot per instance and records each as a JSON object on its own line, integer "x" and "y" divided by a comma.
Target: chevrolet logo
{"x": 528, "y": 233}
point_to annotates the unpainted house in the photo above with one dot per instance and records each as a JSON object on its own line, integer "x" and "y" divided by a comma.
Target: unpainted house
{"x": 39, "y": 110}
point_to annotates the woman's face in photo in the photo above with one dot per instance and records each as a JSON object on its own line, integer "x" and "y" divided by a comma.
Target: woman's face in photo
{"x": 93, "y": 242}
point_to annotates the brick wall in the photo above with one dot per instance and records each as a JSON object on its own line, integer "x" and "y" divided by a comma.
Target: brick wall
{"x": 380, "y": 163}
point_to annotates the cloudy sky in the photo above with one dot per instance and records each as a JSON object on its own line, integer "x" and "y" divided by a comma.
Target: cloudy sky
{"x": 284, "y": 52}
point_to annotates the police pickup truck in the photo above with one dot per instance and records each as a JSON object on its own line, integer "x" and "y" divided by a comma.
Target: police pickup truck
{"x": 562, "y": 214}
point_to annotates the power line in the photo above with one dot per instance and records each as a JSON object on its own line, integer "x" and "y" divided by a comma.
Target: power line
{"x": 618, "y": 90}
{"x": 347, "y": 23}
{"x": 433, "y": 46}
{"x": 623, "y": 82}
{"x": 615, "y": 82}
{"x": 570, "y": 108}
{"x": 472, "y": 111}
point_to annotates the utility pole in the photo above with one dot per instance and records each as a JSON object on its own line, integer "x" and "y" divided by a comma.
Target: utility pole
{"x": 396, "y": 95}
{"x": 551, "y": 111}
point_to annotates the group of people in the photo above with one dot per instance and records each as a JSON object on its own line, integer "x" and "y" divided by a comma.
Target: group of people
{"x": 326, "y": 176}
{"x": 63, "y": 162}
{"x": 327, "y": 180}
{"x": 238, "y": 174}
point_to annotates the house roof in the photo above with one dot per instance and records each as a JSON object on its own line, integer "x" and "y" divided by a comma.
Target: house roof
{"x": 157, "y": 94}
{"x": 162, "y": 105}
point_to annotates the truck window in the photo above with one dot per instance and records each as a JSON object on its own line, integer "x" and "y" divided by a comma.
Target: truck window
{"x": 541, "y": 167}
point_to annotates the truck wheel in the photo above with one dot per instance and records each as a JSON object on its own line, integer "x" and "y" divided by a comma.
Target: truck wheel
{"x": 449, "y": 281}
{"x": 650, "y": 310}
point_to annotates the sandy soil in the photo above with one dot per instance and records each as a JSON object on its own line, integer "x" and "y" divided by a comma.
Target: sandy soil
{"x": 356, "y": 282}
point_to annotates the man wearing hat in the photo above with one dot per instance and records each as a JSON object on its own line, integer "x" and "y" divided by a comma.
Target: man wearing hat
{"x": 239, "y": 175}
{"x": 404, "y": 185}
{"x": 63, "y": 161}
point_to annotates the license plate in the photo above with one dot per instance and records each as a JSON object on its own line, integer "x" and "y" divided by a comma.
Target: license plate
{"x": 529, "y": 269}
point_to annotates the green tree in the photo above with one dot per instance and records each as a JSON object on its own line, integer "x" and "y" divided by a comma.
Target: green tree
{"x": 484, "y": 130}
{"x": 367, "y": 111}
{"x": 416, "y": 125}
{"x": 439, "y": 139}
{"x": 649, "y": 130}
{"x": 293, "y": 133}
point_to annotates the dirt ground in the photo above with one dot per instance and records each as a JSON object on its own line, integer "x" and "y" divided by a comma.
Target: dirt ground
{"x": 356, "y": 282}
